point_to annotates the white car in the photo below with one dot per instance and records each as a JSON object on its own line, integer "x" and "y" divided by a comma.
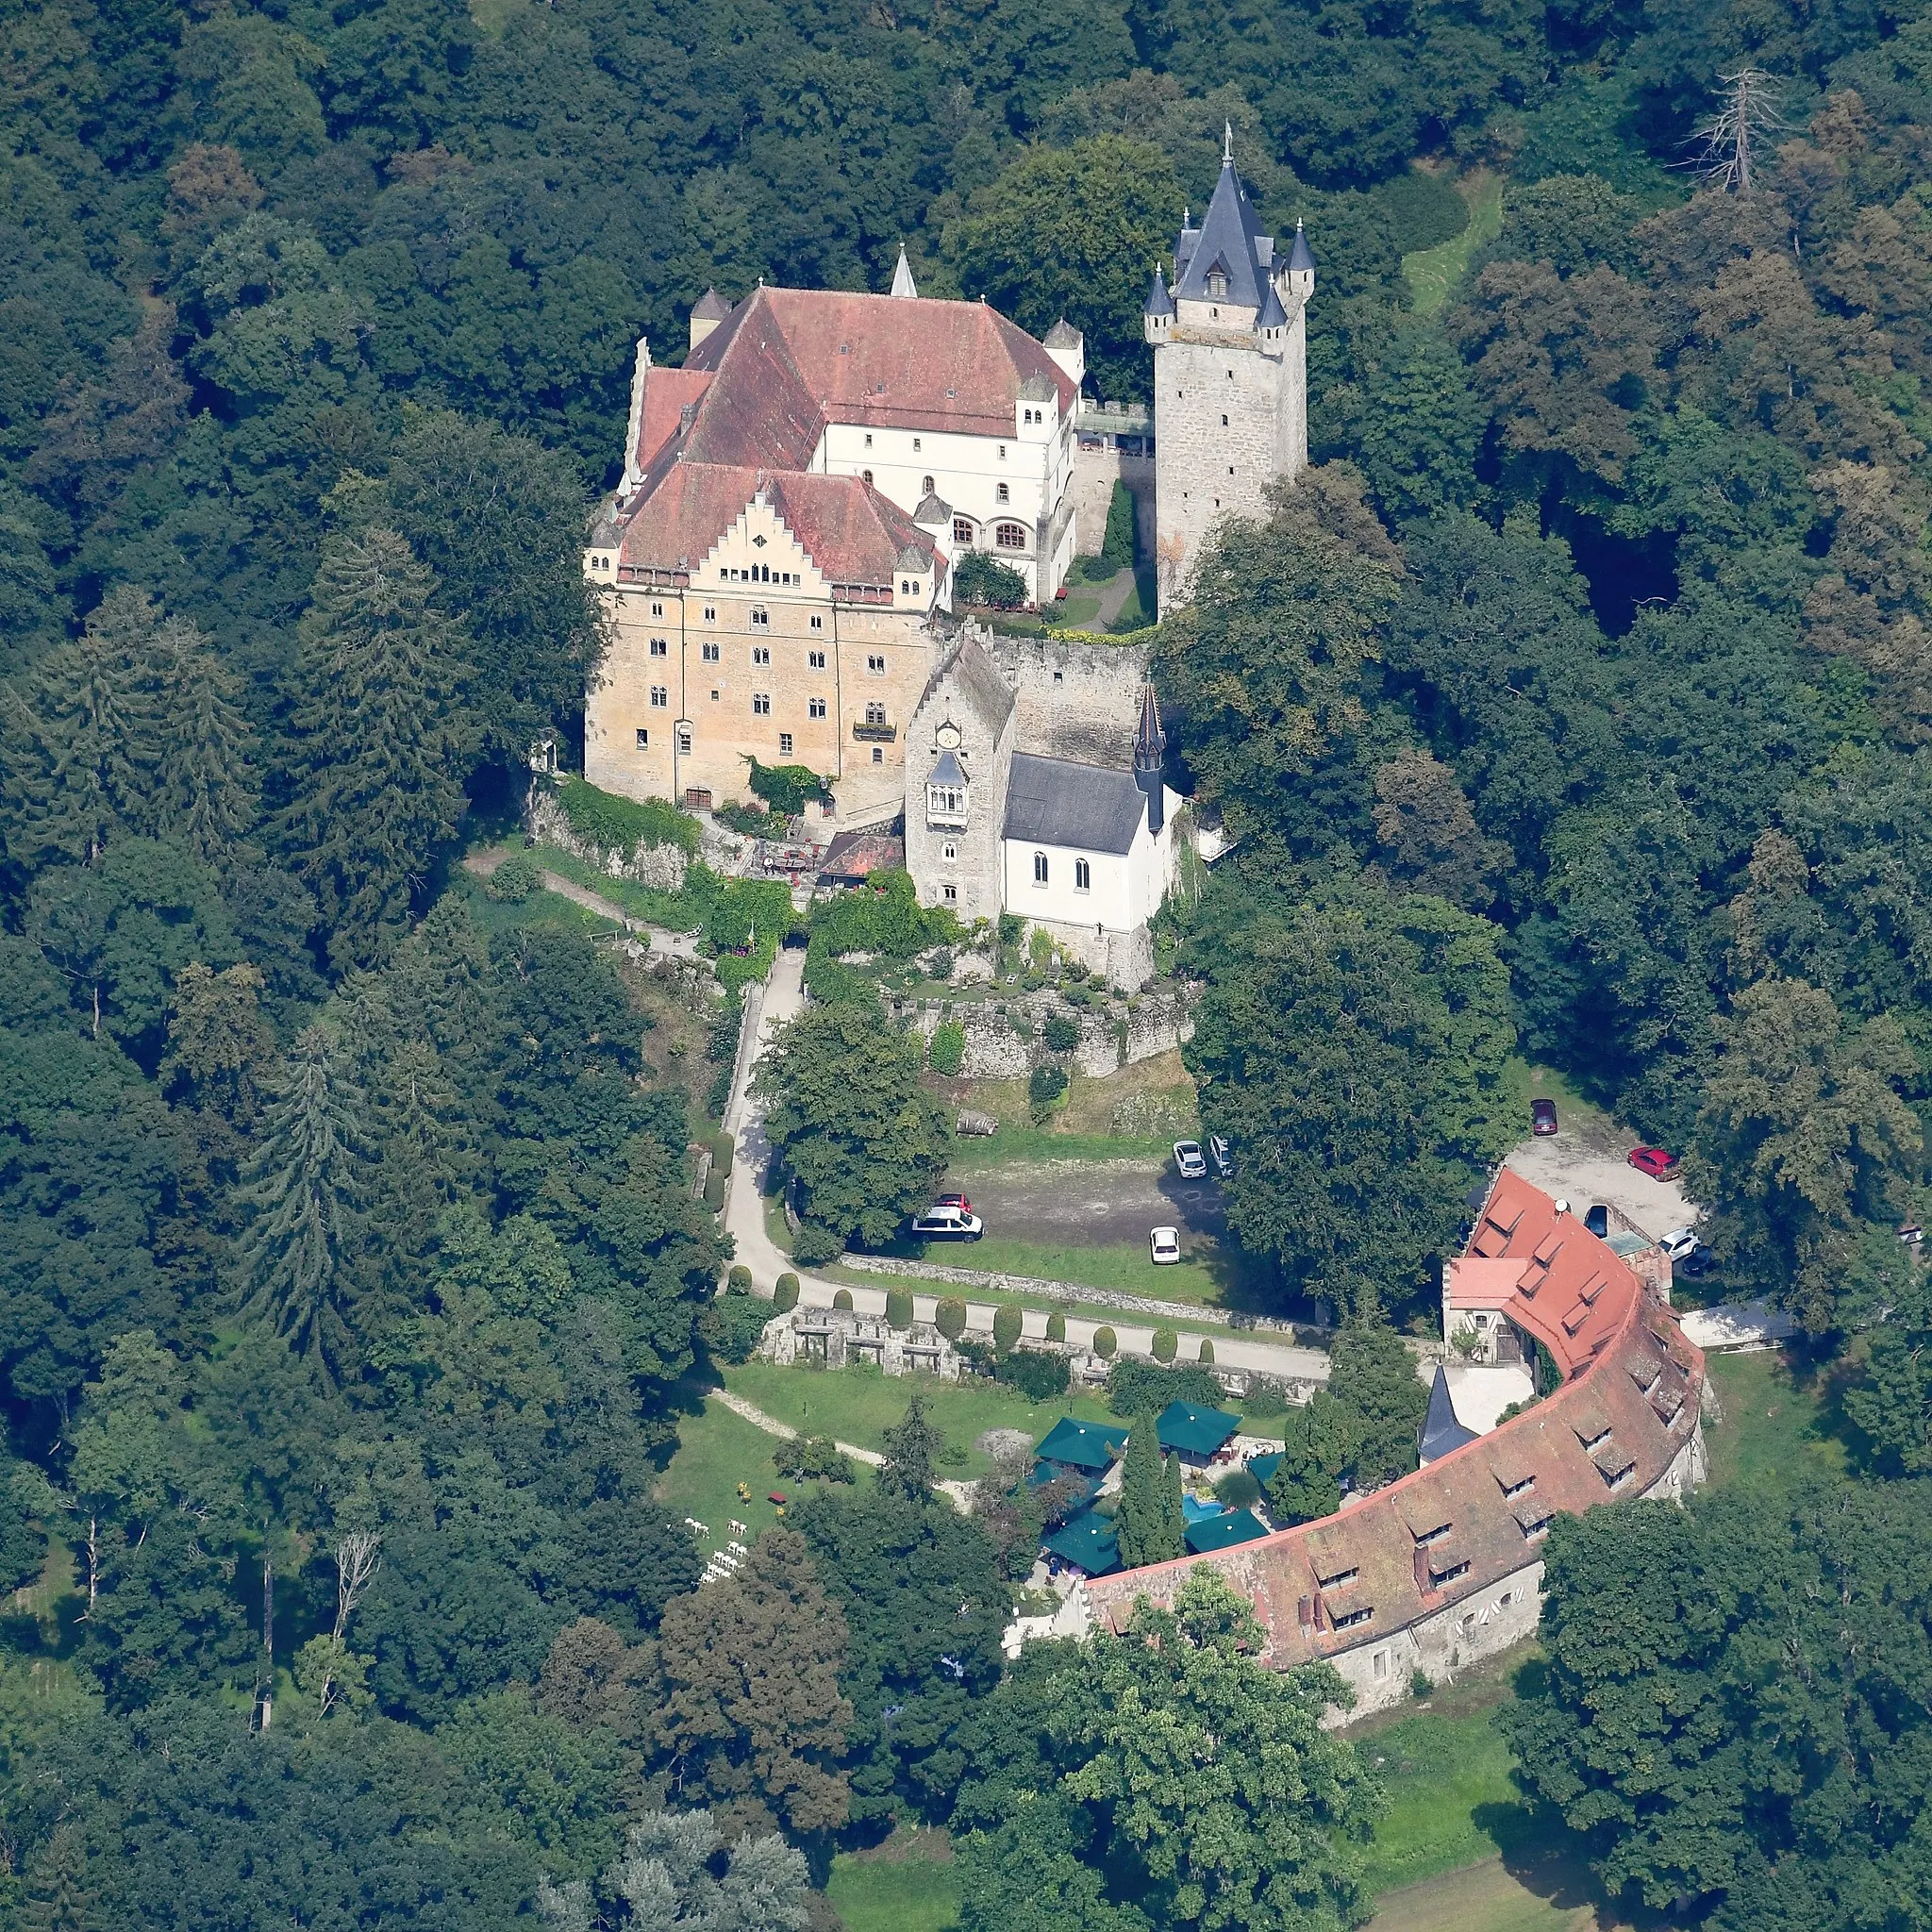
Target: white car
{"x": 1164, "y": 1245}
{"x": 1680, "y": 1243}
{"x": 947, "y": 1224}
{"x": 1189, "y": 1159}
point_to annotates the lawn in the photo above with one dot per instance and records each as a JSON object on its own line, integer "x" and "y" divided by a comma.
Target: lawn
{"x": 858, "y": 1405}
{"x": 1127, "y": 1270}
{"x": 909, "y": 1884}
{"x": 716, "y": 1451}
{"x": 1490, "y": 1898}
{"x": 1772, "y": 1427}
{"x": 539, "y": 909}
{"x": 1434, "y": 273}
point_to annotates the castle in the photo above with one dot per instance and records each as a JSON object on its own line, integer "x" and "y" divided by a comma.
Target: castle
{"x": 779, "y": 564}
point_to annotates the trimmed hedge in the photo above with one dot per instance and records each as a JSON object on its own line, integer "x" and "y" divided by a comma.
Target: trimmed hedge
{"x": 1106, "y": 1343}
{"x": 898, "y": 1307}
{"x": 1056, "y": 1326}
{"x": 951, "y": 1318}
{"x": 786, "y": 1296}
{"x": 1006, "y": 1327}
{"x": 842, "y": 1299}
{"x": 719, "y": 1176}
{"x": 1206, "y": 1357}
{"x": 1167, "y": 1345}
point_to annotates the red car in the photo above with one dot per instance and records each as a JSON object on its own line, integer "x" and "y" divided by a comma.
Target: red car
{"x": 1654, "y": 1161}
{"x": 1542, "y": 1116}
{"x": 958, "y": 1203}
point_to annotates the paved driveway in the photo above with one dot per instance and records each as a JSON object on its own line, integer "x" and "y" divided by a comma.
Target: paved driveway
{"x": 1586, "y": 1164}
{"x": 1106, "y": 1204}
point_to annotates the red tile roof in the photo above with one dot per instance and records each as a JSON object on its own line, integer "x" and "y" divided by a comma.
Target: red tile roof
{"x": 1610, "y": 1431}
{"x": 848, "y": 528}
{"x": 666, "y": 392}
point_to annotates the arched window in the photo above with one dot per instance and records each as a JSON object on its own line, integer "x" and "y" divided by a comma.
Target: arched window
{"x": 1011, "y": 536}
{"x": 925, "y": 485}
{"x": 1083, "y": 877}
{"x": 962, "y": 532}
{"x": 1039, "y": 868}
{"x": 868, "y": 474}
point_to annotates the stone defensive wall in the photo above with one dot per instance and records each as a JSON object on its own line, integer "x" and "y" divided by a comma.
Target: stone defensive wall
{"x": 1444, "y": 1566}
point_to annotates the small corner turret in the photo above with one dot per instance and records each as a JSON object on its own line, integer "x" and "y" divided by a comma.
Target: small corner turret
{"x": 1156, "y": 315}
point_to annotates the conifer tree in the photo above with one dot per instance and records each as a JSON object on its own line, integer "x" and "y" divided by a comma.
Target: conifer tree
{"x": 302, "y": 1186}
{"x": 79, "y": 746}
{"x": 1149, "y": 1519}
{"x": 371, "y": 786}
{"x": 205, "y": 784}
{"x": 57, "y": 1897}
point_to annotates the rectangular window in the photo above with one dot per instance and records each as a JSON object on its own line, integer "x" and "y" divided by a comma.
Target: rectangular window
{"x": 761, "y": 654}
{"x": 1039, "y": 868}
{"x": 643, "y": 738}
{"x": 868, "y": 440}
{"x": 875, "y": 714}
{"x": 761, "y": 704}
{"x": 815, "y": 660}
{"x": 785, "y": 744}
{"x": 710, "y": 653}
{"x": 1381, "y": 1663}
{"x": 684, "y": 741}
{"x": 915, "y": 445}
{"x": 815, "y": 708}
{"x": 1083, "y": 877}
{"x": 661, "y": 647}
{"x": 661, "y": 698}
{"x": 875, "y": 664}
{"x": 878, "y": 756}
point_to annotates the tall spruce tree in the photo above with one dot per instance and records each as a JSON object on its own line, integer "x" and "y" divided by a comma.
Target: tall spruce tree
{"x": 1149, "y": 1519}
{"x": 204, "y": 781}
{"x": 302, "y": 1185}
{"x": 369, "y": 785}
{"x": 79, "y": 739}
{"x": 57, "y": 1894}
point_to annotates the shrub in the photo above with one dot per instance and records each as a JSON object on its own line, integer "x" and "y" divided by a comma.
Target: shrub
{"x": 732, "y": 1326}
{"x": 787, "y": 788}
{"x": 1424, "y": 209}
{"x": 950, "y": 1319}
{"x": 947, "y": 1053}
{"x": 1166, "y": 1344}
{"x": 1061, "y": 1034}
{"x": 1056, "y": 1326}
{"x": 898, "y": 1307}
{"x": 982, "y": 579}
{"x": 842, "y": 1299}
{"x": 1134, "y": 1386}
{"x": 1045, "y": 1086}
{"x": 738, "y": 1280}
{"x": 1265, "y": 1398}
{"x": 516, "y": 879}
{"x": 1005, "y": 1327}
{"x": 719, "y": 1179}
{"x": 785, "y": 1297}
{"x": 1238, "y": 1489}
{"x": 1421, "y": 1684}
{"x": 1037, "y": 1377}
{"x": 1207, "y": 1355}
{"x": 622, "y": 824}
{"x": 1106, "y": 1342}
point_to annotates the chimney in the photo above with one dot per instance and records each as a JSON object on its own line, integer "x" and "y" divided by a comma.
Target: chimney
{"x": 1150, "y": 746}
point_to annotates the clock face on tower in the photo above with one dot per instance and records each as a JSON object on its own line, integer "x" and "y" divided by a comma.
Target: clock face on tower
{"x": 947, "y": 737}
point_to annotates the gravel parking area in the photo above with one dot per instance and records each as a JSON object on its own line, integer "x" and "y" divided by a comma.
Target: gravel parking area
{"x": 1104, "y": 1204}
{"x": 1585, "y": 1162}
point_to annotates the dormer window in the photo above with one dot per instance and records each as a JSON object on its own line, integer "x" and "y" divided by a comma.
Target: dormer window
{"x": 1217, "y": 286}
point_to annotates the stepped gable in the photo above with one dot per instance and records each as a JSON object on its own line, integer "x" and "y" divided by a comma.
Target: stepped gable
{"x": 1458, "y": 1528}
{"x": 844, "y": 525}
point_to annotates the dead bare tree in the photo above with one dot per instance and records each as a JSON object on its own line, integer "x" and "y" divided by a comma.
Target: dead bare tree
{"x": 358, "y": 1559}
{"x": 1748, "y": 112}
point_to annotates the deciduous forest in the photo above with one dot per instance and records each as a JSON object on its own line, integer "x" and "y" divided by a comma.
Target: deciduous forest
{"x": 1576, "y": 707}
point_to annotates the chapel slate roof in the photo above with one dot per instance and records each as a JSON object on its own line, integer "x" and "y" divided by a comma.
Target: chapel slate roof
{"x": 1453, "y": 1531}
{"x": 1086, "y": 807}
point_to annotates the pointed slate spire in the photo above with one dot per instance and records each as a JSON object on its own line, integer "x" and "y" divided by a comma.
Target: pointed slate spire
{"x": 1160, "y": 301}
{"x": 1442, "y": 1429}
{"x": 1272, "y": 315}
{"x": 1150, "y": 746}
{"x": 1299, "y": 256}
{"x": 902, "y": 277}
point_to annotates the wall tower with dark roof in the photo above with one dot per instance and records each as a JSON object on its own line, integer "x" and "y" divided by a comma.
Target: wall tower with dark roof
{"x": 1231, "y": 375}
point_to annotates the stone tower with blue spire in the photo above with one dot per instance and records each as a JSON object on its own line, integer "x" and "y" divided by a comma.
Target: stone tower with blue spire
{"x": 1231, "y": 375}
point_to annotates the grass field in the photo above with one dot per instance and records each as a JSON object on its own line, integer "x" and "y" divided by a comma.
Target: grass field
{"x": 1772, "y": 1427}
{"x": 1434, "y": 273}
{"x": 1125, "y": 1269}
{"x": 1492, "y": 1898}
{"x": 909, "y": 1884}
{"x": 860, "y": 1404}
